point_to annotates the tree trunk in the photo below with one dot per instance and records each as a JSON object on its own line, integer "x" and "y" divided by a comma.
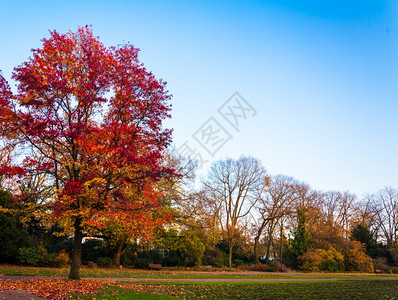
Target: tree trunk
{"x": 77, "y": 251}
{"x": 230, "y": 256}
{"x": 281, "y": 246}
{"x": 268, "y": 248}
{"x": 255, "y": 249}
{"x": 121, "y": 247}
{"x": 258, "y": 236}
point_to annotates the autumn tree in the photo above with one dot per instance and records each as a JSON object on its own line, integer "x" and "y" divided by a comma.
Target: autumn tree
{"x": 334, "y": 219}
{"x": 309, "y": 201}
{"x": 94, "y": 117}
{"x": 275, "y": 204}
{"x": 343, "y": 212}
{"x": 235, "y": 186}
{"x": 148, "y": 217}
{"x": 195, "y": 214}
{"x": 357, "y": 260}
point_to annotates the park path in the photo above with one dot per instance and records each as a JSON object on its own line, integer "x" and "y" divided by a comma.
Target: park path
{"x": 129, "y": 279}
{"x": 22, "y": 294}
{"x": 18, "y": 295}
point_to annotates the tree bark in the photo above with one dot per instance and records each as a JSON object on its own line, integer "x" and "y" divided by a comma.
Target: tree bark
{"x": 281, "y": 244}
{"x": 269, "y": 243}
{"x": 255, "y": 249}
{"x": 230, "y": 256}
{"x": 77, "y": 251}
{"x": 257, "y": 238}
{"x": 121, "y": 247}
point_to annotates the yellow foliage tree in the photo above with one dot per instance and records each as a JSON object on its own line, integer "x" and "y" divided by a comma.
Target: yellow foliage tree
{"x": 357, "y": 260}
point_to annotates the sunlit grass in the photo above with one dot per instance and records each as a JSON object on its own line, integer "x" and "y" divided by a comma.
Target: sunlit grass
{"x": 328, "y": 286}
{"x": 179, "y": 274}
{"x": 118, "y": 293}
{"x": 362, "y": 289}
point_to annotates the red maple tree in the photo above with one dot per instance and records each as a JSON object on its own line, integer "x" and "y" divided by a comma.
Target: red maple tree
{"x": 94, "y": 116}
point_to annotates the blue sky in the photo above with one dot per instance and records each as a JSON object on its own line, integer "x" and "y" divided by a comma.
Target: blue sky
{"x": 321, "y": 75}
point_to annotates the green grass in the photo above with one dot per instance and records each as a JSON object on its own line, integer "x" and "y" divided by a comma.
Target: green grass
{"x": 360, "y": 286}
{"x": 361, "y": 289}
{"x": 118, "y": 293}
{"x": 174, "y": 274}
{"x": 32, "y": 271}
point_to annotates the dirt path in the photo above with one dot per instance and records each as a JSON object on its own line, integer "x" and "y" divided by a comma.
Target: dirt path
{"x": 18, "y": 295}
{"x": 228, "y": 279}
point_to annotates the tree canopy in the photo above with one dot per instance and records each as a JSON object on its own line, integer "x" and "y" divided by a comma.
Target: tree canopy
{"x": 88, "y": 118}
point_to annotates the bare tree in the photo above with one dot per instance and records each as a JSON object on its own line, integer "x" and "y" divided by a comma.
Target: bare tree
{"x": 236, "y": 186}
{"x": 385, "y": 208}
{"x": 272, "y": 207}
{"x": 309, "y": 201}
{"x": 364, "y": 213}
{"x": 339, "y": 208}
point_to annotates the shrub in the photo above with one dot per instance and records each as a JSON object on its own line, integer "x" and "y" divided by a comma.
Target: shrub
{"x": 244, "y": 267}
{"x": 28, "y": 256}
{"x": 191, "y": 249}
{"x": 154, "y": 256}
{"x": 209, "y": 255}
{"x": 259, "y": 267}
{"x": 143, "y": 263}
{"x": 104, "y": 262}
{"x": 276, "y": 266}
{"x": 332, "y": 260}
{"x": 357, "y": 260}
{"x": 310, "y": 261}
{"x": 221, "y": 261}
{"x": 172, "y": 259}
{"x": 63, "y": 258}
{"x": 38, "y": 257}
{"x": 52, "y": 261}
{"x": 273, "y": 266}
{"x": 44, "y": 257}
{"x": 237, "y": 262}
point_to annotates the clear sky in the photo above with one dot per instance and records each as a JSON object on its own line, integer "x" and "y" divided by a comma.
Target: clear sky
{"x": 320, "y": 76}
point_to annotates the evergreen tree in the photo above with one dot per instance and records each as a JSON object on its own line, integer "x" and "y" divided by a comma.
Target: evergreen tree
{"x": 362, "y": 233}
{"x": 301, "y": 241}
{"x": 12, "y": 234}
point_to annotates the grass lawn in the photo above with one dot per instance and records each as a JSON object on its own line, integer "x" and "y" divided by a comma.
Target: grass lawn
{"x": 113, "y": 292}
{"x": 361, "y": 289}
{"x": 360, "y": 286}
{"x": 178, "y": 274}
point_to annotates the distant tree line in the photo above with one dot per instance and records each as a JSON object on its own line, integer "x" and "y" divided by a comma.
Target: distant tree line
{"x": 240, "y": 217}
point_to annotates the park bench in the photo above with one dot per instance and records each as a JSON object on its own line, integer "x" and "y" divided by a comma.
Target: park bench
{"x": 155, "y": 266}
